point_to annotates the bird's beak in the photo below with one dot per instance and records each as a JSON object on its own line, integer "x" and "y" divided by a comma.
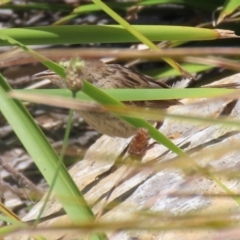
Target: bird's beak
{"x": 47, "y": 74}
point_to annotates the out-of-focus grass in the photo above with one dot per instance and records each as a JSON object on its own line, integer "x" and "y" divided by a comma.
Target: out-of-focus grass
{"x": 22, "y": 123}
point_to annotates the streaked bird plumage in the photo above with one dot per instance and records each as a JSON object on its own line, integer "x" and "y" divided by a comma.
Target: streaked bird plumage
{"x": 107, "y": 76}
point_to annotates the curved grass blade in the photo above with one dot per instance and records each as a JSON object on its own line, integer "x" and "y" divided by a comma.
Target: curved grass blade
{"x": 41, "y": 151}
{"x": 140, "y": 36}
{"x": 89, "y": 8}
{"x": 229, "y": 7}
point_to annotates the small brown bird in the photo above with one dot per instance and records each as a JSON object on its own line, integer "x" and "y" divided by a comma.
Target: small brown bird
{"x": 106, "y": 76}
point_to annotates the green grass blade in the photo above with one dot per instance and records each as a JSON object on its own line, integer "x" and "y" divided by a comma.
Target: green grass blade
{"x": 124, "y": 6}
{"x": 139, "y": 94}
{"x": 170, "y": 72}
{"x": 41, "y": 151}
{"x": 44, "y": 156}
{"x": 104, "y": 34}
{"x": 229, "y": 7}
{"x": 105, "y": 99}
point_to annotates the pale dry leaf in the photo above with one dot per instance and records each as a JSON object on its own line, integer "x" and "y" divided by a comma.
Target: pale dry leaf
{"x": 214, "y": 147}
